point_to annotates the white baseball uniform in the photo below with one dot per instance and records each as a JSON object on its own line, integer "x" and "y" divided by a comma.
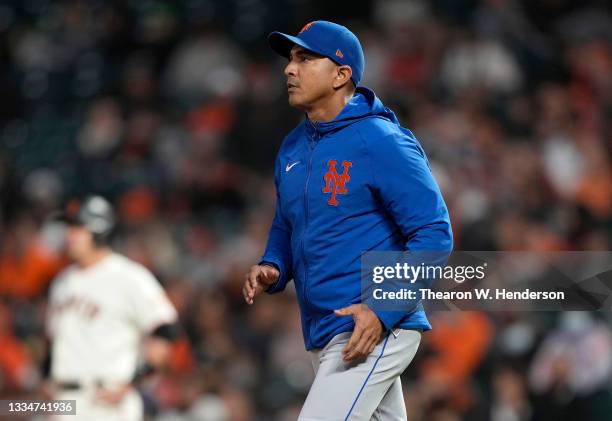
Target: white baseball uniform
{"x": 98, "y": 317}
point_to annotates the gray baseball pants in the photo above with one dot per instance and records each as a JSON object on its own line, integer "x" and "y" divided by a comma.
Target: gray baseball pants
{"x": 368, "y": 390}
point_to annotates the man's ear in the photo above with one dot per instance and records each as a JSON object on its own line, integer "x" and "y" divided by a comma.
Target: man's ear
{"x": 343, "y": 76}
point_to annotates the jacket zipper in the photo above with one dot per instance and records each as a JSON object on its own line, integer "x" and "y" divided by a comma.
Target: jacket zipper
{"x": 311, "y": 147}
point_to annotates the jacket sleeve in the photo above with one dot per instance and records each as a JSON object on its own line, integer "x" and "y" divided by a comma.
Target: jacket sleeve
{"x": 278, "y": 250}
{"x": 408, "y": 191}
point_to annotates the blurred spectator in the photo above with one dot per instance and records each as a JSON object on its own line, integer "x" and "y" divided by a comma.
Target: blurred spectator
{"x": 26, "y": 264}
{"x": 572, "y": 369}
{"x": 511, "y": 401}
{"x": 18, "y": 373}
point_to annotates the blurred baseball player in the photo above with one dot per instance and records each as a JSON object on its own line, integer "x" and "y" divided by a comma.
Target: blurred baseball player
{"x": 349, "y": 179}
{"x": 101, "y": 310}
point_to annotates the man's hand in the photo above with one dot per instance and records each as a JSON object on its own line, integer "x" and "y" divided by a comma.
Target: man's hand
{"x": 366, "y": 335}
{"x": 259, "y": 278}
{"x": 112, "y": 396}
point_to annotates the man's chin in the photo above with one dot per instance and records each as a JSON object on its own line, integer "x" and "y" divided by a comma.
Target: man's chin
{"x": 295, "y": 101}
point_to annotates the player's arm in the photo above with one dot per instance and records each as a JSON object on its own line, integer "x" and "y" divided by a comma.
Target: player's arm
{"x": 275, "y": 268}
{"x": 156, "y": 318}
{"x": 404, "y": 182}
{"x": 157, "y": 349}
{"x": 159, "y": 343}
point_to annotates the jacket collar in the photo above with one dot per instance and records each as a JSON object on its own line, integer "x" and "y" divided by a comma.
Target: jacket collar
{"x": 364, "y": 104}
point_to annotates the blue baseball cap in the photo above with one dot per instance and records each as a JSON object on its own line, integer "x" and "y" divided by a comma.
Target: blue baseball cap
{"x": 325, "y": 38}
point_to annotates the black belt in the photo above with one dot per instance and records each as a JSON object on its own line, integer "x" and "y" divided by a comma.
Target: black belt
{"x": 76, "y": 385}
{"x": 69, "y": 385}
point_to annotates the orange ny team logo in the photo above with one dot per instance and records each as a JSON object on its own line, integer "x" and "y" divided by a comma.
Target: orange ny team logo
{"x": 334, "y": 182}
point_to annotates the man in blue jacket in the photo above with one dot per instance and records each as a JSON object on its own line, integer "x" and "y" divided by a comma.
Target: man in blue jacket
{"x": 349, "y": 179}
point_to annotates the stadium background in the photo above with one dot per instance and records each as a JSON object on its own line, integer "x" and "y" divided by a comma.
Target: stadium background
{"x": 174, "y": 110}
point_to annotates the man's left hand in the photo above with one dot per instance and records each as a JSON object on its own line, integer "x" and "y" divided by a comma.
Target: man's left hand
{"x": 366, "y": 335}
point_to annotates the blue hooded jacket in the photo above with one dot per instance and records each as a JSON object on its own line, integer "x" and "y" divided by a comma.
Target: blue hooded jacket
{"x": 358, "y": 183}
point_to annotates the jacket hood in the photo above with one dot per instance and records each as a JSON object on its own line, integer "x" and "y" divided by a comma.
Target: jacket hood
{"x": 364, "y": 104}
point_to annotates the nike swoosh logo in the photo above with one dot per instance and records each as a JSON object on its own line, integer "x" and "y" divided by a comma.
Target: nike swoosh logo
{"x": 289, "y": 166}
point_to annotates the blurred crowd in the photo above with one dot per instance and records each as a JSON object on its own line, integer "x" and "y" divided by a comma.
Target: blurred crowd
{"x": 174, "y": 110}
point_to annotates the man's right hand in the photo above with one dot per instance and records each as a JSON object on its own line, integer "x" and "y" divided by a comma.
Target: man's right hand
{"x": 259, "y": 278}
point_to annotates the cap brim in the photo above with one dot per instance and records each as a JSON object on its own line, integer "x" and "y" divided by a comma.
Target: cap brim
{"x": 283, "y": 43}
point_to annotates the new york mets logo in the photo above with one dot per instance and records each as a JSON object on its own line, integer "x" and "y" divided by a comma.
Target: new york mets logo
{"x": 308, "y": 25}
{"x": 334, "y": 182}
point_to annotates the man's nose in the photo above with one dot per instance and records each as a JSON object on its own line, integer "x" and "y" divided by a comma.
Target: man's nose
{"x": 290, "y": 69}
